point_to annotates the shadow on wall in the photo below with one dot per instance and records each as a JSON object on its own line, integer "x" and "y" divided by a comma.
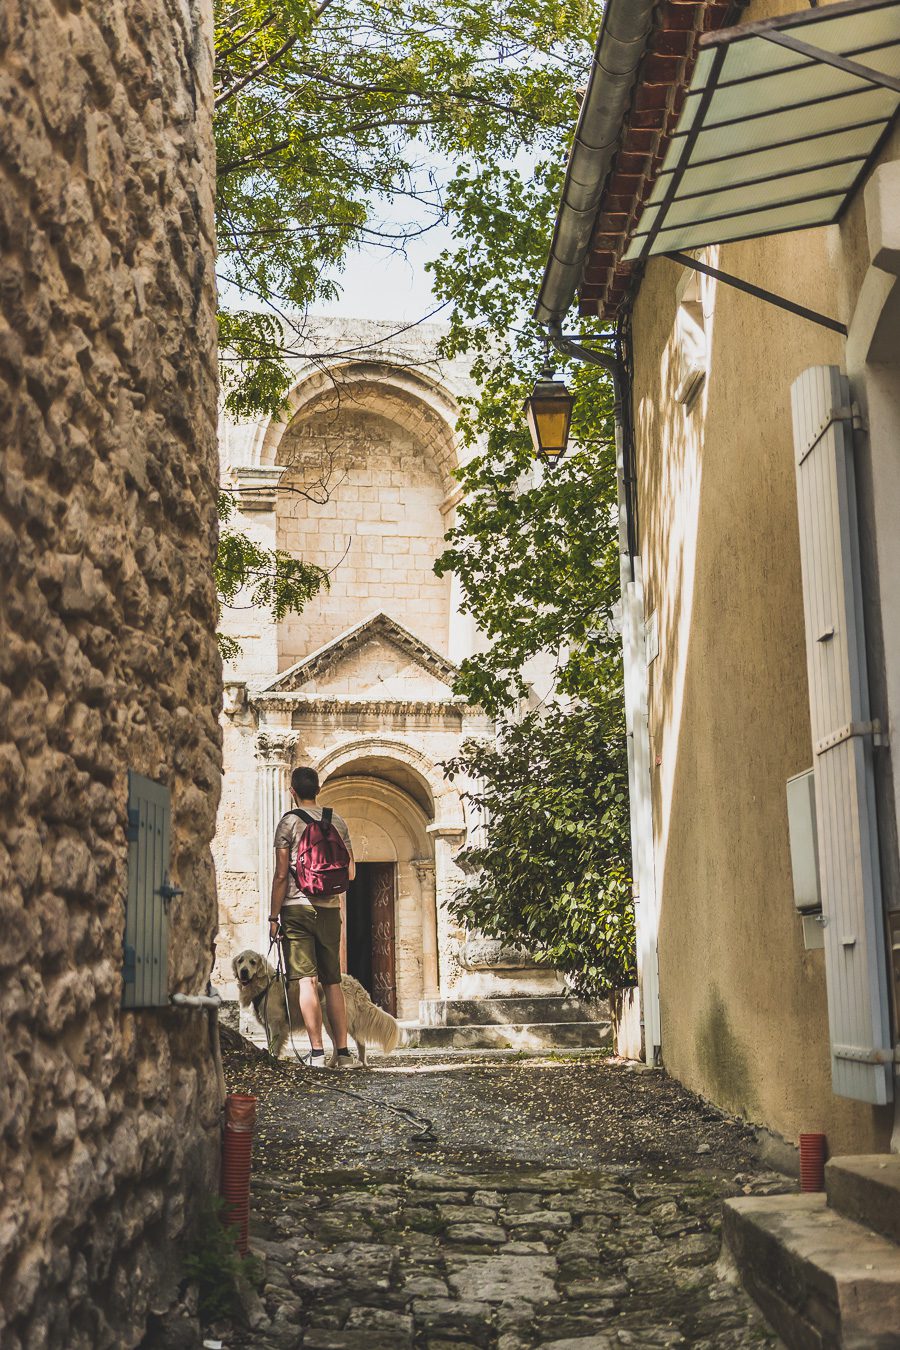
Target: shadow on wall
{"x": 722, "y": 1058}
{"x": 729, "y": 709}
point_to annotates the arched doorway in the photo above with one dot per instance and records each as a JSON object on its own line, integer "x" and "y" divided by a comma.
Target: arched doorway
{"x": 390, "y": 931}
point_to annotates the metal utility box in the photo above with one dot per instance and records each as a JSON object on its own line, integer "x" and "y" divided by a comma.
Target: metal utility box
{"x": 146, "y": 955}
{"x": 801, "y": 804}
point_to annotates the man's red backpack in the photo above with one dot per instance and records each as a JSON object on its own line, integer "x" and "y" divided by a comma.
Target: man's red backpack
{"x": 322, "y": 865}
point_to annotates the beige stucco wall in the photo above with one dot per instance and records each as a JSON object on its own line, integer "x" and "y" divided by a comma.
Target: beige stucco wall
{"x": 743, "y": 1005}
{"x": 109, "y": 1120}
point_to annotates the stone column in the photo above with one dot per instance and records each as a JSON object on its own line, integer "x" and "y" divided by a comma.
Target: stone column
{"x": 450, "y": 934}
{"x": 275, "y": 758}
{"x": 428, "y": 905}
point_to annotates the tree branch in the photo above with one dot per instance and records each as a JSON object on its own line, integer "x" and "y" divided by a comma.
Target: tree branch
{"x": 242, "y": 42}
{"x": 270, "y": 60}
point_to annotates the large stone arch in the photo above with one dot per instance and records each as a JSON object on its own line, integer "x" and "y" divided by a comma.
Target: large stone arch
{"x": 412, "y": 399}
{"x": 437, "y": 797}
{"x": 368, "y": 452}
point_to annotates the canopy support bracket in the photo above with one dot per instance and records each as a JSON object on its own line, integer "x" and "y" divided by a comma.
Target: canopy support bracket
{"x": 866, "y": 73}
{"x": 760, "y": 292}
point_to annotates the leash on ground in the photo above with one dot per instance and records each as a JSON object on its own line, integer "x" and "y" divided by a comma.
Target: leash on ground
{"x": 423, "y": 1126}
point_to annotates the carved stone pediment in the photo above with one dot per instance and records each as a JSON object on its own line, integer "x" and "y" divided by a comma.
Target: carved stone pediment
{"x": 378, "y": 660}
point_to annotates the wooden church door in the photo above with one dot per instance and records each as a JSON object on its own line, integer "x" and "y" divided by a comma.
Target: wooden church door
{"x": 384, "y": 964}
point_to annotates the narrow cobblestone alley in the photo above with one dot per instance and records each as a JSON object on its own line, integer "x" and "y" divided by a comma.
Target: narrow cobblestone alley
{"x": 567, "y": 1202}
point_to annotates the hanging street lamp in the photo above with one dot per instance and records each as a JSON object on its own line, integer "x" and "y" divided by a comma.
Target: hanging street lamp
{"x": 548, "y": 411}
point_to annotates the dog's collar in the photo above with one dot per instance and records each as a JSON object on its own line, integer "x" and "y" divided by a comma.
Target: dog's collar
{"x": 257, "y": 1000}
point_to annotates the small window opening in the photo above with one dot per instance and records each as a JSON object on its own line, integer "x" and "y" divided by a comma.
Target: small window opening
{"x": 692, "y": 350}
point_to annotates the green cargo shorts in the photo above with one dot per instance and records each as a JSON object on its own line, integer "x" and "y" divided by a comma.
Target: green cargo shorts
{"x": 312, "y": 943}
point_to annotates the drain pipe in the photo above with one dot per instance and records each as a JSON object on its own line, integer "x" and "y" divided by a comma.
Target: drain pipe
{"x": 635, "y": 681}
{"x": 621, "y": 43}
{"x": 213, "y": 1002}
{"x": 195, "y": 1000}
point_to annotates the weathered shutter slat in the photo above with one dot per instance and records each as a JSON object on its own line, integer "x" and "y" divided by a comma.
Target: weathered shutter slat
{"x": 146, "y": 919}
{"x": 856, "y": 969}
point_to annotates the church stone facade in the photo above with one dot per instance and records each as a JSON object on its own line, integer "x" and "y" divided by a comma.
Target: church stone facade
{"x": 358, "y": 477}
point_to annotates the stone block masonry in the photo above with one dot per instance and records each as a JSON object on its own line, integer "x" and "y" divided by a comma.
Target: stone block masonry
{"x": 563, "y": 1206}
{"x": 108, "y": 1120}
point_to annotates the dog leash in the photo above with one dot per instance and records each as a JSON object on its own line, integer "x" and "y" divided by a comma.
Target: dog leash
{"x": 424, "y": 1127}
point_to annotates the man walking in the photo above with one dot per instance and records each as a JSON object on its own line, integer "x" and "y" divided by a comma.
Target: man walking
{"x": 310, "y": 926}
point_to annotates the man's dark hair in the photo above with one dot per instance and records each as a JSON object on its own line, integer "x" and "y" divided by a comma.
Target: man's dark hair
{"x": 305, "y": 783}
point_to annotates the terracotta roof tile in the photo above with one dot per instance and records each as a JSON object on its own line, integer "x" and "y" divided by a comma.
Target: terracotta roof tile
{"x": 663, "y": 78}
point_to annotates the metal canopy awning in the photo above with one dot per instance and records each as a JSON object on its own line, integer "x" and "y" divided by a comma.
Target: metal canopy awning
{"x": 781, "y": 121}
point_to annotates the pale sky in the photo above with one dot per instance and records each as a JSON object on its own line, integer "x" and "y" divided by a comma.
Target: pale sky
{"x": 376, "y": 284}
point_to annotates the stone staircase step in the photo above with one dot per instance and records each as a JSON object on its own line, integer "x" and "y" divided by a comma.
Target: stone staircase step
{"x": 482, "y": 1055}
{"x": 823, "y": 1281}
{"x": 509, "y": 1010}
{"x": 513, "y": 1036}
{"x": 866, "y": 1189}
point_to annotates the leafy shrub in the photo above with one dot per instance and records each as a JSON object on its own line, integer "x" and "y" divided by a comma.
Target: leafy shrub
{"x": 553, "y": 870}
{"x": 216, "y": 1266}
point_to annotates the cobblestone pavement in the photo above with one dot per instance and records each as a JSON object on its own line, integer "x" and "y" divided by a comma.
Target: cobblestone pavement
{"x": 570, "y": 1204}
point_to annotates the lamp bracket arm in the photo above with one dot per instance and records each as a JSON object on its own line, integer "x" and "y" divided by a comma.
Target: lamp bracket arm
{"x": 605, "y": 360}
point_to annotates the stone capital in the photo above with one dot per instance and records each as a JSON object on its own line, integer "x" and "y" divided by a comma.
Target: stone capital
{"x": 276, "y": 747}
{"x": 257, "y": 486}
{"x": 424, "y": 869}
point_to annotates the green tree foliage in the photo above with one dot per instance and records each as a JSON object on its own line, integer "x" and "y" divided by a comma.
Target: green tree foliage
{"x": 551, "y": 874}
{"x": 538, "y": 562}
{"x": 335, "y": 122}
{"x": 536, "y": 553}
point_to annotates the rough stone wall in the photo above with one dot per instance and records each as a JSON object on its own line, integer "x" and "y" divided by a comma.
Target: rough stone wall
{"x": 108, "y": 1120}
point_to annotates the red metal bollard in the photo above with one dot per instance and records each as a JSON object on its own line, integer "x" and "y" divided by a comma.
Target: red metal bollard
{"x": 240, "y": 1118}
{"x": 812, "y": 1162}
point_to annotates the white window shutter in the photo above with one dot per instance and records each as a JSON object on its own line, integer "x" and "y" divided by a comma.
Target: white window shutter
{"x": 843, "y": 738}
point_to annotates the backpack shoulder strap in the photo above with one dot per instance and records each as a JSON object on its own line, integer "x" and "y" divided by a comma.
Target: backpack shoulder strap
{"x": 304, "y": 815}
{"x": 327, "y": 813}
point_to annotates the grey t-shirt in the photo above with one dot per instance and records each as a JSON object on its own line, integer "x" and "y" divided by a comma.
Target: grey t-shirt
{"x": 288, "y": 833}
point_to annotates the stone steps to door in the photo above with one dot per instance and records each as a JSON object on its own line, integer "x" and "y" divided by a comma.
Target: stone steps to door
{"x": 513, "y": 1036}
{"x": 446, "y": 1012}
{"x": 866, "y": 1189}
{"x": 537, "y": 1023}
{"x": 823, "y": 1268}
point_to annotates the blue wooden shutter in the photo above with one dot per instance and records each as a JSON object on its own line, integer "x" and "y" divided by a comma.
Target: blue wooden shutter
{"x": 843, "y": 738}
{"x": 146, "y": 956}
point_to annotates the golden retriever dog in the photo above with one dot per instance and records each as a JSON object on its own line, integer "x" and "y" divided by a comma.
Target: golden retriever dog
{"x": 260, "y": 988}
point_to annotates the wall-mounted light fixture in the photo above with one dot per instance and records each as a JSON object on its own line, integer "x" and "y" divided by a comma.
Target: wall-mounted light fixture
{"x": 548, "y": 410}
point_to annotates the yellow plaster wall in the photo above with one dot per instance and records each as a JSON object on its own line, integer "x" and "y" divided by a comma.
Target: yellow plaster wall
{"x": 744, "y": 1018}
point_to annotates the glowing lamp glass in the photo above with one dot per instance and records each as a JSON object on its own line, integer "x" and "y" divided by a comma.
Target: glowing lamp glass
{"x": 548, "y": 411}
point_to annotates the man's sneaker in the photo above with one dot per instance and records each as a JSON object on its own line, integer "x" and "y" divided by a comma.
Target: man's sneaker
{"x": 345, "y": 1062}
{"x": 311, "y": 1061}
